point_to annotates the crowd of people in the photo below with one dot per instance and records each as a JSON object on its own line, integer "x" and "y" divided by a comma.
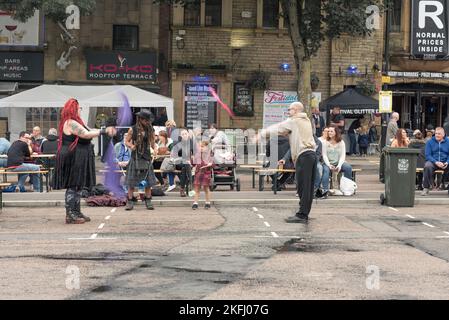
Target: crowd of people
{"x": 317, "y": 152}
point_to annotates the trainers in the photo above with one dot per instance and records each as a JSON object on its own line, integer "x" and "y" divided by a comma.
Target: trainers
{"x": 171, "y": 188}
{"x": 207, "y": 205}
{"x": 195, "y": 206}
{"x": 425, "y": 192}
{"x": 297, "y": 218}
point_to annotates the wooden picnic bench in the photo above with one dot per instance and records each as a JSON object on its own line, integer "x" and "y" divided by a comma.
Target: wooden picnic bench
{"x": 253, "y": 171}
{"x": 2, "y": 186}
{"x": 276, "y": 171}
{"x": 5, "y": 172}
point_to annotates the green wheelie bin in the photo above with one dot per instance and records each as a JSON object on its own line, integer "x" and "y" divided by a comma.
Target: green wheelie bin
{"x": 399, "y": 174}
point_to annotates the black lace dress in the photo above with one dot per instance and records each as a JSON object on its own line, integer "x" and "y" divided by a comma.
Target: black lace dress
{"x": 76, "y": 168}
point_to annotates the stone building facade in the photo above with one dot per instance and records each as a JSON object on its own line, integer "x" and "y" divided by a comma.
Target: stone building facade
{"x": 247, "y": 39}
{"x": 420, "y": 85}
{"x": 128, "y": 29}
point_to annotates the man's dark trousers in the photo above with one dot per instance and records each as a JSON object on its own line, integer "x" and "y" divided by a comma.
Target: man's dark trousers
{"x": 305, "y": 177}
{"x": 429, "y": 169}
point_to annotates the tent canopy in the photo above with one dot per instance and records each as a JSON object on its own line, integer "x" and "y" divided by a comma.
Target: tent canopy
{"x": 55, "y": 96}
{"x": 351, "y": 102}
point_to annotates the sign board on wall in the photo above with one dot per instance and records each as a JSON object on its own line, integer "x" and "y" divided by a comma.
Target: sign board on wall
{"x": 385, "y": 101}
{"x": 200, "y": 105}
{"x": 243, "y": 100}
{"x": 16, "y": 33}
{"x": 22, "y": 66}
{"x": 429, "y": 28}
{"x": 275, "y": 106}
{"x": 120, "y": 66}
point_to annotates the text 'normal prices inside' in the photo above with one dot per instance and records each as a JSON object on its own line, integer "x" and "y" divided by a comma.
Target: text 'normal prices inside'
{"x": 429, "y": 29}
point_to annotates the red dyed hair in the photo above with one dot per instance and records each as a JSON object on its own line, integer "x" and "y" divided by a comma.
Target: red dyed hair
{"x": 69, "y": 112}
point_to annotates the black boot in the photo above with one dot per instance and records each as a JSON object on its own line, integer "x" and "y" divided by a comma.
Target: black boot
{"x": 72, "y": 216}
{"x": 130, "y": 204}
{"x": 78, "y": 209}
{"x": 148, "y": 203}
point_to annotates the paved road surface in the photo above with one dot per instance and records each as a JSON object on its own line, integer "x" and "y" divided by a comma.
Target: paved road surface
{"x": 228, "y": 252}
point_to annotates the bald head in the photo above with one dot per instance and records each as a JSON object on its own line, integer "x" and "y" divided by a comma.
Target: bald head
{"x": 295, "y": 108}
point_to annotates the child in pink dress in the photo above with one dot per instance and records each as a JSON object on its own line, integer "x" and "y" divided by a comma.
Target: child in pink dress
{"x": 203, "y": 172}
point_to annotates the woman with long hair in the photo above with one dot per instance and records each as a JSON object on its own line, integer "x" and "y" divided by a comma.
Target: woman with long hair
{"x": 334, "y": 156}
{"x": 401, "y": 140}
{"x": 141, "y": 141}
{"x": 75, "y": 162}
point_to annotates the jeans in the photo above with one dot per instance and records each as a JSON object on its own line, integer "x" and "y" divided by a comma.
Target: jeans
{"x": 3, "y": 163}
{"x": 34, "y": 177}
{"x": 319, "y": 175}
{"x": 353, "y": 143}
{"x": 345, "y": 168}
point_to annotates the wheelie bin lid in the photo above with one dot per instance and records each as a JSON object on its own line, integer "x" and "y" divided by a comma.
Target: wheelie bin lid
{"x": 401, "y": 150}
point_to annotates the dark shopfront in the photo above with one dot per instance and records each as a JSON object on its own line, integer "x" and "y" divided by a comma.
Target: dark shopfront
{"x": 420, "y": 104}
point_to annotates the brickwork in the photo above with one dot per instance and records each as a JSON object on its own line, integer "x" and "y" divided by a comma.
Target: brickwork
{"x": 244, "y": 49}
{"x": 96, "y": 32}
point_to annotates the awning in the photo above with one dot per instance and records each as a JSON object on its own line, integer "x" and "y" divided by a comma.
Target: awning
{"x": 55, "y": 96}
{"x": 351, "y": 102}
{"x": 8, "y": 87}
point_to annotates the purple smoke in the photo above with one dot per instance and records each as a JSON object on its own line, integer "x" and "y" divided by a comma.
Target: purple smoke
{"x": 112, "y": 177}
{"x": 125, "y": 115}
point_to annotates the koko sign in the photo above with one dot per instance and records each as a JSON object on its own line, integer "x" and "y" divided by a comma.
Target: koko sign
{"x": 429, "y": 39}
{"x": 121, "y": 66}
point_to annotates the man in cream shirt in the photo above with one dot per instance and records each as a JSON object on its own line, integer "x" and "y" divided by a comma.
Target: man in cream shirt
{"x": 298, "y": 128}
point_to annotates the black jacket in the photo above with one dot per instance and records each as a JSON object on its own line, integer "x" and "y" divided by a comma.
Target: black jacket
{"x": 420, "y": 145}
{"x": 50, "y": 145}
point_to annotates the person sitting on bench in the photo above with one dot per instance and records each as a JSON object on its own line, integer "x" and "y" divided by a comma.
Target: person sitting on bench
{"x": 17, "y": 153}
{"x": 437, "y": 156}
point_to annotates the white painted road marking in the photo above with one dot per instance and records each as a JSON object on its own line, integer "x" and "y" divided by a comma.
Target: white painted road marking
{"x": 260, "y": 216}
{"x": 429, "y": 225}
{"x": 411, "y": 217}
{"x": 107, "y": 218}
{"x": 101, "y": 226}
{"x": 113, "y": 210}
{"x": 275, "y": 235}
{"x": 94, "y": 236}
{"x": 446, "y": 232}
{"x": 443, "y": 237}
{"x": 267, "y": 224}
{"x": 393, "y": 209}
{"x": 255, "y": 209}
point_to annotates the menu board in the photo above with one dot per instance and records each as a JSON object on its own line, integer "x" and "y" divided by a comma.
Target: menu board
{"x": 243, "y": 100}
{"x": 200, "y": 105}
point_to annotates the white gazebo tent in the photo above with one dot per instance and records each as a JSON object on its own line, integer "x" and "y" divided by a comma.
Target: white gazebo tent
{"x": 55, "y": 96}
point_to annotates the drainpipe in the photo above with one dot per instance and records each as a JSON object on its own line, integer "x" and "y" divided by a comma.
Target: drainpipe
{"x": 385, "y": 72}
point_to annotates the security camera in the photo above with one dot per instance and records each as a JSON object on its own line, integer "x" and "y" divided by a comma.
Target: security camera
{"x": 178, "y": 38}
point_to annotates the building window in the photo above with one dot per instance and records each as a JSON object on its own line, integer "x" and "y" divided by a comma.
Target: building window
{"x": 396, "y": 16}
{"x": 271, "y": 13}
{"x": 192, "y": 14}
{"x": 125, "y": 38}
{"x": 213, "y": 13}
{"x": 45, "y": 118}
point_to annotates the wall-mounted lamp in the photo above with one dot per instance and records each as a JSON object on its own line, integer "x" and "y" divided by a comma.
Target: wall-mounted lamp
{"x": 352, "y": 69}
{"x": 285, "y": 66}
{"x": 180, "y": 44}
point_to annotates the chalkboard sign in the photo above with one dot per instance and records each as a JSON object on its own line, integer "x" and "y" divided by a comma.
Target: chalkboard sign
{"x": 200, "y": 105}
{"x": 243, "y": 100}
